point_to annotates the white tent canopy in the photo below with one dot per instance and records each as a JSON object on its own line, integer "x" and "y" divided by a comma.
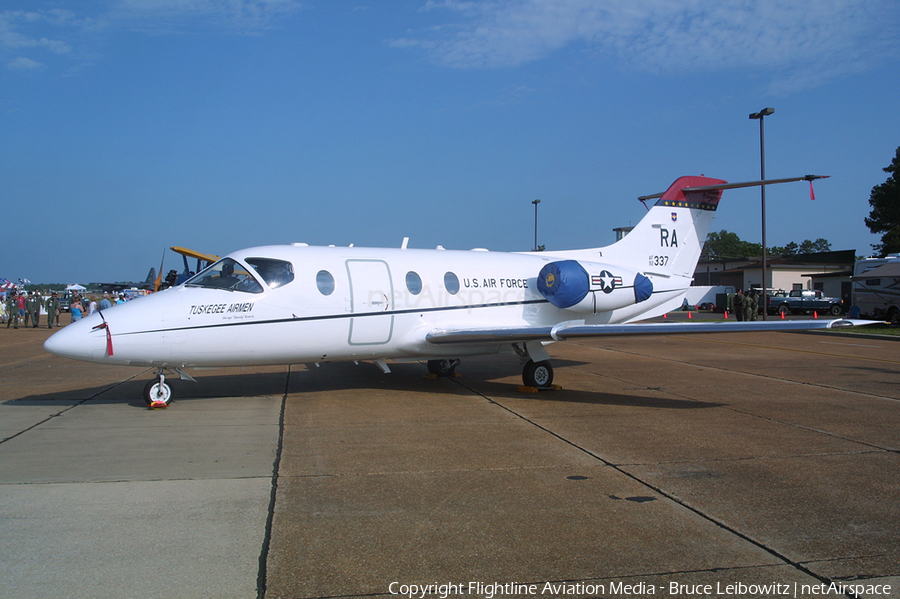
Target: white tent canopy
{"x": 75, "y": 287}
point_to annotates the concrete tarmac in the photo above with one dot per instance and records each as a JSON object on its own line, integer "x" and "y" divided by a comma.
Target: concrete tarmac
{"x": 722, "y": 465}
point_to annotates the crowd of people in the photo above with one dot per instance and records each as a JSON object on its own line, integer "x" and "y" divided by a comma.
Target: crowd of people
{"x": 27, "y": 307}
{"x": 746, "y": 306}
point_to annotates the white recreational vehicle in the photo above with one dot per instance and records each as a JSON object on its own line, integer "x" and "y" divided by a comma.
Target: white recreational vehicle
{"x": 876, "y": 287}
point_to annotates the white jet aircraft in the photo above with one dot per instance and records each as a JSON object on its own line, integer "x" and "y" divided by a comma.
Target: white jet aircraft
{"x": 293, "y": 304}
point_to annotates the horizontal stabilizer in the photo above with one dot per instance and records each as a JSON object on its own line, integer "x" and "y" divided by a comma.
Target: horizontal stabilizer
{"x": 739, "y": 185}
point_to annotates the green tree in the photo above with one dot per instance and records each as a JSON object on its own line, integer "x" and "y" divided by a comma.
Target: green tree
{"x": 807, "y": 247}
{"x": 814, "y": 247}
{"x": 726, "y": 245}
{"x": 885, "y": 215}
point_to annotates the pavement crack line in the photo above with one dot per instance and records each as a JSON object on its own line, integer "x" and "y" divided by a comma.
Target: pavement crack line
{"x": 25, "y": 362}
{"x": 749, "y": 374}
{"x": 67, "y": 408}
{"x": 750, "y": 458}
{"x": 751, "y": 414}
{"x": 709, "y": 518}
{"x": 819, "y": 431}
{"x": 816, "y": 430}
{"x": 262, "y": 572}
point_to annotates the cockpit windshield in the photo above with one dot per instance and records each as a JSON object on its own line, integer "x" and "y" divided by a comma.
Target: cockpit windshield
{"x": 226, "y": 274}
{"x": 274, "y": 272}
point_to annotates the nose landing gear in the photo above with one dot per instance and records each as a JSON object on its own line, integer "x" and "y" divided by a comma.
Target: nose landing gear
{"x": 157, "y": 393}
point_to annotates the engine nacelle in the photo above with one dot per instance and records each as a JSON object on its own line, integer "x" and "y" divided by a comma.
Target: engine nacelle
{"x": 592, "y": 287}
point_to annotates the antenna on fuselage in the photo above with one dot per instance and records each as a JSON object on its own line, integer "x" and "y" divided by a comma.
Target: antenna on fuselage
{"x": 404, "y": 243}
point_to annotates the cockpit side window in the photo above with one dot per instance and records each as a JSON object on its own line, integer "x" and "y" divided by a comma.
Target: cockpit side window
{"x": 274, "y": 272}
{"x": 226, "y": 274}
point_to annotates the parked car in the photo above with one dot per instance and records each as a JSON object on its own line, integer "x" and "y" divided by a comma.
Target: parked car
{"x": 65, "y": 301}
{"x": 804, "y": 301}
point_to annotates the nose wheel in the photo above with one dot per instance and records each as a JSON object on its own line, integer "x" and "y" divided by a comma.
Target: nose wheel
{"x": 157, "y": 393}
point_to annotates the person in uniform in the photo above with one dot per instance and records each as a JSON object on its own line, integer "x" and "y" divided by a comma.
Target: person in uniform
{"x": 12, "y": 309}
{"x": 754, "y": 301}
{"x": 52, "y": 307}
{"x": 33, "y": 309}
{"x": 739, "y": 304}
{"x": 26, "y": 316}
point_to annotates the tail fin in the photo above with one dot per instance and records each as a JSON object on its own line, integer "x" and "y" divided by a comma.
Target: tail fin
{"x": 673, "y": 232}
{"x": 664, "y": 247}
{"x": 668, "y": 240}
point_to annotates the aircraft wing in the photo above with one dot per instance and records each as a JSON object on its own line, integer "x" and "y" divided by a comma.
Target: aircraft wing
{"x": 194, "y": 254}
{"x": 577, "y": 329}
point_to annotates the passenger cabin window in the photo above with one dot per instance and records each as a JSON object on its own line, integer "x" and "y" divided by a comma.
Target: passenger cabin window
{"x": 226, "y": 274}
{"x": 414, "y": 283}
{"x": 451, "y": 283}
{"x": 325, "y": 282}
{"x": 274, "y": 272}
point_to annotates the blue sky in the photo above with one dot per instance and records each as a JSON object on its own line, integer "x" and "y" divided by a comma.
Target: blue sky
{"x": 131, "y": 125}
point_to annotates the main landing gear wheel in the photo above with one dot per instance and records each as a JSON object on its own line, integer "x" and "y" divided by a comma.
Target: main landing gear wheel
{"x": 537, "y": 374}
{"x": 442, "y": 367}
{"x": 157, "y": 393}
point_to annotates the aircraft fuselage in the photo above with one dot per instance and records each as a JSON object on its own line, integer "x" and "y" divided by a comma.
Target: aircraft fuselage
{"x": 340, "y": 304}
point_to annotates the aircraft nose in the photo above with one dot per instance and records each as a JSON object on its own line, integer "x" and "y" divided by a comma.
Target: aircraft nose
{"x": 74, "y": 341}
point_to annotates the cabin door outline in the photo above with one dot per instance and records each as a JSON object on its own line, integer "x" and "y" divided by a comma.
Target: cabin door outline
{"x": 371, "y": 291}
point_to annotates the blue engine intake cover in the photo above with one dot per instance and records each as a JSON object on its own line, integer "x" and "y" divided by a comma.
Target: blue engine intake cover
{"x": 564, "y": 283}
{"x": 643, "y": 288}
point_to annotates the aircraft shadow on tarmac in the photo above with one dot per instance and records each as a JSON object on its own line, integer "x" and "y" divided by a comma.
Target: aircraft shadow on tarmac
{"x": 491, "y": 379}
{"x": 873, "y": 369}
{"x": 130, "y": 391}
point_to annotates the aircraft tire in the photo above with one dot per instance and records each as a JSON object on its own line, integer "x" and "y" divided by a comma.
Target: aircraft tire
{"x": 154, "y": 392}
{"x": 537, "y": 374}
{"x": 442, "y": 367}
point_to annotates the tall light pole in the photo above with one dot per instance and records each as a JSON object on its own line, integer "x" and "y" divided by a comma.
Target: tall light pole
{"x": 536, "y": 202}
{"x": 762, "y": 191}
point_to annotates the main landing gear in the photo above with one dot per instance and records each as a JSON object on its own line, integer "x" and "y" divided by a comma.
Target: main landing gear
{"x": 536, "y": 374}
{"x": 442, "y": 368}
